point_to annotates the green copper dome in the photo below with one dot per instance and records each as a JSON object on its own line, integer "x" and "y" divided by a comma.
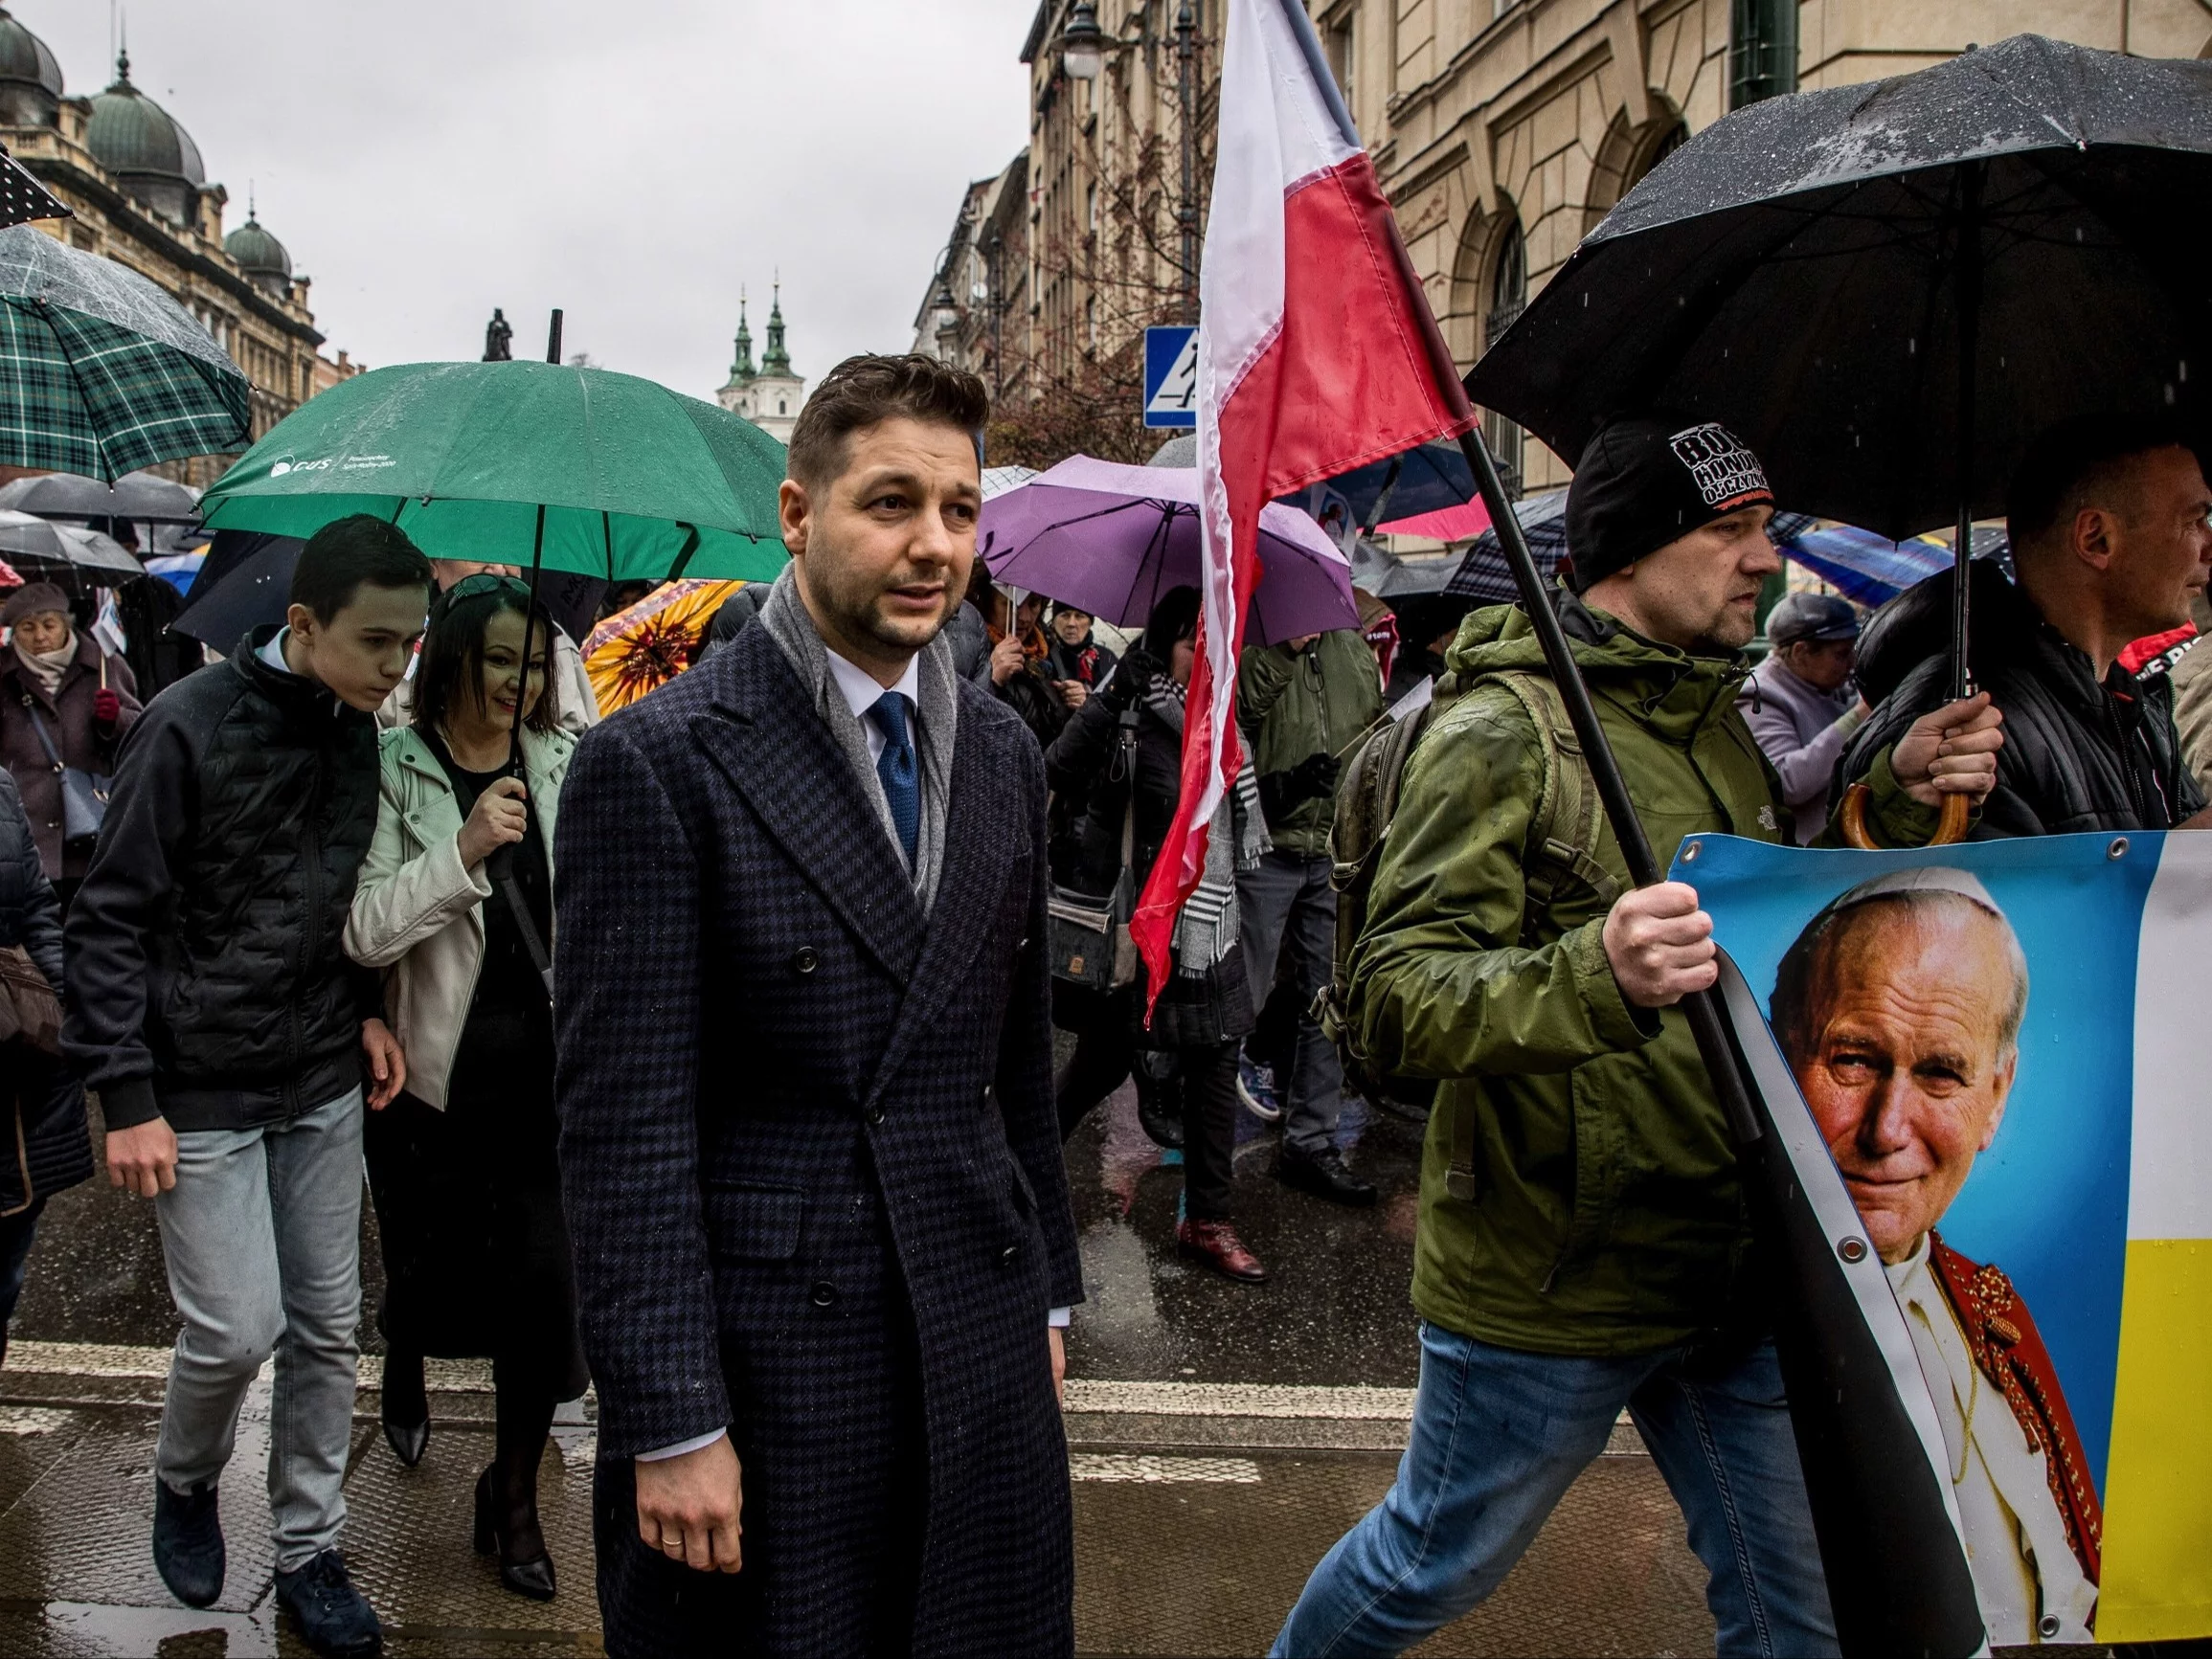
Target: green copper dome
{"x": 24, "y": 56}
{"x": 256, "y": 252}
{"x": 130, "y": 133}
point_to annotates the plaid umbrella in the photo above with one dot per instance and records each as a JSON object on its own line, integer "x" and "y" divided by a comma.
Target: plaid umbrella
{"x": 101, "y": 371}
{"x": 22, "y": 197}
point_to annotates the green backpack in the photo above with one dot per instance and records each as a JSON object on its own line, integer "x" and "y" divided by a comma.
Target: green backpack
{"x": 1562, "y": 835}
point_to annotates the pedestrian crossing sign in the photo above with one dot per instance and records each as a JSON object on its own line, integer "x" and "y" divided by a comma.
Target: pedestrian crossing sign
{"x": 1171, "y": 376}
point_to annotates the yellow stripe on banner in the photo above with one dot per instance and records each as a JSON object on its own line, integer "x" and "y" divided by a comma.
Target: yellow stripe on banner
{"x": 2158, "y": 1578}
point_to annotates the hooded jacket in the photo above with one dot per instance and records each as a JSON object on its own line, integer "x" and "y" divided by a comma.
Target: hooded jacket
{"x": 1607, "y": 1217}
{"x": 207, "y": 981}
{"x": 2079, "y": 754}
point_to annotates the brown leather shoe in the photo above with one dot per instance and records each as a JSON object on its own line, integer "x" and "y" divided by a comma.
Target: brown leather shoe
{"x": 1217, "y": 1246}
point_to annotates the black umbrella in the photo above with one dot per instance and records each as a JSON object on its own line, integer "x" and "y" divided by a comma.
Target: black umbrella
{"x": 30, "y": 542}
{"x": 142, "y": 497}
{"x": 246, "y": 583}
{"x": 1889, "y": 290}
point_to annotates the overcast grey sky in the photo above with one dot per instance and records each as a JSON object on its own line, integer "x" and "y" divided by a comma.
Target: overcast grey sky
{"x": 631, "y": 161}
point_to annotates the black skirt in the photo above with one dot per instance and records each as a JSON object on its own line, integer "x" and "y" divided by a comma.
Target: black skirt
{"x": 476, "y": 1250}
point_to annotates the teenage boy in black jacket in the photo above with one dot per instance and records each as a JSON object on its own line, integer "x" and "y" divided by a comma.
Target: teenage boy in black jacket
{"x": 213, "y": 1010}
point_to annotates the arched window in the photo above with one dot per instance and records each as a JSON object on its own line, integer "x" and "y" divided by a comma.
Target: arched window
{"x": 780, "y": 406}
{"x": 1508, "y": 295}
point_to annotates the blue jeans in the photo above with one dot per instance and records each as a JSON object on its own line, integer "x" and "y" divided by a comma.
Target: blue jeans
{"x": 1497, "y": 1438}
{"x": 262, "y": 1238}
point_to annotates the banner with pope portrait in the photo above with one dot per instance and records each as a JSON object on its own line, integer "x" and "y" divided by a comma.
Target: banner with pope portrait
{"x": 1988, "y": 1065}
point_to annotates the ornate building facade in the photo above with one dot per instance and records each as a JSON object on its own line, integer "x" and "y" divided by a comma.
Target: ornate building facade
{"x": 769, "y": 396}
{"x": 1503, "y": 130}
{"x": 139, "y": 189}
{"x": 974, "y": 314}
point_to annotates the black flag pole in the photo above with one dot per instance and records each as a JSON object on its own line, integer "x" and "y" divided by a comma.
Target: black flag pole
{"x": 1898, "y": 1580}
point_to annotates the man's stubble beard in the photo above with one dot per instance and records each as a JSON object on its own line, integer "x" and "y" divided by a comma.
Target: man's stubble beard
{"x": 857, "y": 608}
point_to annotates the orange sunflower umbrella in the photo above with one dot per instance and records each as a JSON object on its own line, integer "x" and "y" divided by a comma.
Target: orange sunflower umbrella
{"x": 654, "y": 641}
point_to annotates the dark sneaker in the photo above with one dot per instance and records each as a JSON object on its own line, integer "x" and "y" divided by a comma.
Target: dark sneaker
{"x": 1323, "y": 1175}
{"x": 1256, "y": 1088}
{"x": 334, "y": 1617}
{"x": 1217, "y": 1246}
{"x": 188, "y": 1542}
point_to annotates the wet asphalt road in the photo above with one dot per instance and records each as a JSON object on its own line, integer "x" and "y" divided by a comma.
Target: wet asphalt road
{"x": 1202, "y": 1499}
{"x": 1334, "y": 1312}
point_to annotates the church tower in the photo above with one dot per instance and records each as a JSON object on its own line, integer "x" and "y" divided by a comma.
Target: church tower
{"x": 769, "y": 396}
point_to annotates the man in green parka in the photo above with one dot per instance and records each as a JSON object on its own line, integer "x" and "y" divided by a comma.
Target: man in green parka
{"x": 1583, "y": 1245}
{"x": 1302, "y": 704}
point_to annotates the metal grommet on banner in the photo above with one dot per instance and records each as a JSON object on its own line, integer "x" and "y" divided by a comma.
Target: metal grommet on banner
{"x": 2047, "y": 1626}
{"x": 1690, "y": 851}
{"x": 2118, "y": 849}
{"x": 1852, "y": 1249}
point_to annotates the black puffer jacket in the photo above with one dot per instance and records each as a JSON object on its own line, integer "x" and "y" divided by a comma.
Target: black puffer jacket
{"x": 2078, "y": 755}
{"x": 42, "y": 1104}
{"x": 206, "y": 978}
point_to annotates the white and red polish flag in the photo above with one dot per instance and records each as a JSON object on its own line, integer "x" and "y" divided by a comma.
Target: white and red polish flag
{"x": 1317, "y": 353}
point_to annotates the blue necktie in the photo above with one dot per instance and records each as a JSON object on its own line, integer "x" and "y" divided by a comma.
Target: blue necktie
{"x": 895, "y": 769}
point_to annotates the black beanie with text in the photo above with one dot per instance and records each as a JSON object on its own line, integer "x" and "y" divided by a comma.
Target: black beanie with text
{"x": 1643, "y": 482}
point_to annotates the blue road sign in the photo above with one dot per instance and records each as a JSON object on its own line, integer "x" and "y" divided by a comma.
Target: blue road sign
{"x": 1171, "y": 376}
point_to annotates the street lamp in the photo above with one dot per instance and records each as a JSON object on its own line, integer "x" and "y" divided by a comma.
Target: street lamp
{"x": 946, "y": 315}
{"x": 1082, "y": 44}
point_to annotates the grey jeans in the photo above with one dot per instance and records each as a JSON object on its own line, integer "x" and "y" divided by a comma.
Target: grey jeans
{"x": 262, "y": 1236}
{"x": 1286, "y": 904}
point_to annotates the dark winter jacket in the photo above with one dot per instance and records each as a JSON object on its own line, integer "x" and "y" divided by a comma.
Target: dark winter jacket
{"x": 42, "y": 1104}
{"x": 1087, "y": 663}
{"x": 78, "y": 738}
{"x": 1295, "y": 704}
{"x": 1086, "y": 759}
{"x": 2078, "y": 755}
{"x": 207, "y": 981}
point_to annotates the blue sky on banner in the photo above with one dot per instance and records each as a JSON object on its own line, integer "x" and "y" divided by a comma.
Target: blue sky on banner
{"x": 2048, "y": 1201}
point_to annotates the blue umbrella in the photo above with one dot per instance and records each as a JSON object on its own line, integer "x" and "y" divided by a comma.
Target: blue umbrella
{"x": 1872, "y": 569}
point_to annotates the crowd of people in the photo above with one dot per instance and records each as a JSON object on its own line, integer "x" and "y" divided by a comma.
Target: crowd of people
{"x": 706, "y": 1052}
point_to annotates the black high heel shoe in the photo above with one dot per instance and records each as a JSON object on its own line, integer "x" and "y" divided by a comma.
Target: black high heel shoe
{"x": 407, "y": 1441}
{"x": 533, "y": 1577}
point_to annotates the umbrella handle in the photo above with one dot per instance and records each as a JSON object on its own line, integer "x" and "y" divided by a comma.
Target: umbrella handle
{"x": 1949, "y": 831}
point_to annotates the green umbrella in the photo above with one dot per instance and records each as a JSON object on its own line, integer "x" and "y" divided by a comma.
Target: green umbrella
{"x": 102, "y": 373}
{"x": 569, "y": 469}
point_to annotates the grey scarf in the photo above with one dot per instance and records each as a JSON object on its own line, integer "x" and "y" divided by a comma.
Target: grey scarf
{"x": 784, "y": 616}
{"x": 1207, "y": 931}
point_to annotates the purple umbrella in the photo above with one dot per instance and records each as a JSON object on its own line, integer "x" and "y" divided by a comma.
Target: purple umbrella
{"x": 1111, "y": 539}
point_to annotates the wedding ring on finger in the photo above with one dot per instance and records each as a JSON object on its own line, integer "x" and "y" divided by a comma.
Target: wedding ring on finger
{"x": 672, "y": 1543}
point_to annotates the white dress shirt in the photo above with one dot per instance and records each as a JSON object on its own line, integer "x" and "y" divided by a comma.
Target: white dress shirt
{"x": 863, "y": 691}
{"x": 2024, "y": 1572}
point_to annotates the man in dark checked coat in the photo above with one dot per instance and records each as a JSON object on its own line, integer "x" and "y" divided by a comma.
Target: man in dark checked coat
{"x": 823, "y": 1236}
